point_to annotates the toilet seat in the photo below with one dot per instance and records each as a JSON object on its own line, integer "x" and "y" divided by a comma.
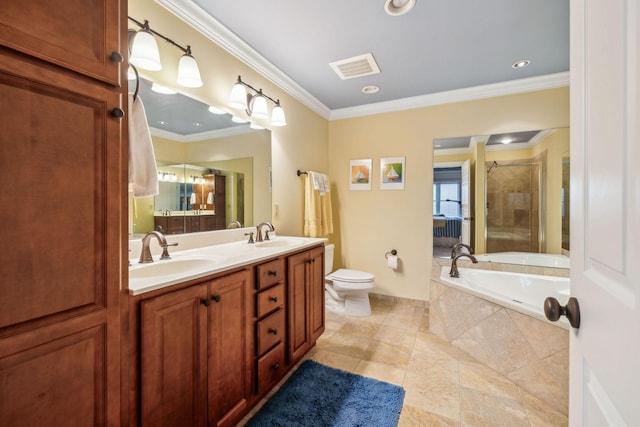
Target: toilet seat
{"x": 351, "y": 276}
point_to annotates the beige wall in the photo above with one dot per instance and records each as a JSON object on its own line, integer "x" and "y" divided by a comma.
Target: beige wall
{"x": 370, "y": 223}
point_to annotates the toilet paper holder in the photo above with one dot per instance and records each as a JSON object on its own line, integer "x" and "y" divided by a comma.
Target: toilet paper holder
{"x": 392, "y": 252}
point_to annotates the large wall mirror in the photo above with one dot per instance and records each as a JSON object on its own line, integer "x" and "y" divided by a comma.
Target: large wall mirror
{"x": 506, "y": 193}
{"x": 213, "y": 173}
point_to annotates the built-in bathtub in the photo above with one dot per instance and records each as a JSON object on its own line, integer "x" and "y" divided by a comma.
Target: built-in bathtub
{"x": 497, "y": 317}
{"x": 527, "y": 258}
{"x": 521, "y": 292}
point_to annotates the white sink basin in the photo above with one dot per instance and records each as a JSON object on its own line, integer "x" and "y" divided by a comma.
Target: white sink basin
{"x": 279, "y": 242}
{"x": 171, "y": 267}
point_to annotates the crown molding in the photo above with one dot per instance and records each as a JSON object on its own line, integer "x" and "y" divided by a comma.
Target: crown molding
{"x": 510, "y": 87}
{"x": 202, "y": 136}
{"x": 193, "y": 15}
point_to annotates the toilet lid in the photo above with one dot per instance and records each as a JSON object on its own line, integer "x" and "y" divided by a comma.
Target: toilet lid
{"x": 351, "y": 276}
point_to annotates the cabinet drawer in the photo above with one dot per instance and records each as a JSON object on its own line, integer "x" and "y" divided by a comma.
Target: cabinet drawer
{"x": 270, "y": 273}
{"x": 270, "y": 299}
{"x": 271, "y": 367}
{"x": 270, "y": 331}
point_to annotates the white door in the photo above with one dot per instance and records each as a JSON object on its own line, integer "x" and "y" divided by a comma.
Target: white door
{"x": 465, "y": 197}
{"x": 605, "y": 212}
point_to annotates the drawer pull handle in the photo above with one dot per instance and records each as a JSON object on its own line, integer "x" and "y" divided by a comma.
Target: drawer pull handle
{"x": 273, "y": 273}
{"x": 216, "y": 298}
{"x": 273, "y": 331}
{"x": 206, "y": 302}
{"x": 274, "y": 299}
{"x": 275, "y": 366}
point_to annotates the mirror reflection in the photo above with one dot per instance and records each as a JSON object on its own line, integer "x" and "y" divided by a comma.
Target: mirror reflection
{"x": 503, "y": 194}
{"x": 212, "y": 173}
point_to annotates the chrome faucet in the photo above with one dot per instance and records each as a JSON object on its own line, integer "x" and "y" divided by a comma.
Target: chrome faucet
{"x": 457, "y": 246}
{"x": 237, "y": 223}
{"x": 259, "y": 237}
{"x": 454, "y": 263}
{"x": 145, "y": 255}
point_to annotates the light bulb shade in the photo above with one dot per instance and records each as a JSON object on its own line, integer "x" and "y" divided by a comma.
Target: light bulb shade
{"x": 258, "y": 107}
{"x": 188, "y": 72}
{"x": 144, "y": 52}
{"x": 238, "y": 97}
{"x": 277, "y": 116}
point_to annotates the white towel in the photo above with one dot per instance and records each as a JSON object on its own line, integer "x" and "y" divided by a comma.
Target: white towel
{"x": 143, "y": 174}
{"x": 193, "y": 199}
{"x": 210, "y": 198}
{"x": 320, "y": 182}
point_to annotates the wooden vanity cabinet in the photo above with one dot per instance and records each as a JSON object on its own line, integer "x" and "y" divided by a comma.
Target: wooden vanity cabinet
{"x": 195, "y": 347}
{"x": 305, "y": 283}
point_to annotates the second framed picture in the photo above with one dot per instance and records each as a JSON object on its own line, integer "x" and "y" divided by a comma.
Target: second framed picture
{"x": 392, "y": 173}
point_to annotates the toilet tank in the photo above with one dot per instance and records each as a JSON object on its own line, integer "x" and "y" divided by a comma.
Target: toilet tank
{"x": 328, "y": 258}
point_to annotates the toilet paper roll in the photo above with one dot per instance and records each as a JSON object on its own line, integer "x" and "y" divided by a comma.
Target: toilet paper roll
{"x": 392, "y": 261}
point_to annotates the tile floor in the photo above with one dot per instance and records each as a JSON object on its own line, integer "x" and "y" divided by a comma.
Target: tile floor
{"x": 444, "y": 386}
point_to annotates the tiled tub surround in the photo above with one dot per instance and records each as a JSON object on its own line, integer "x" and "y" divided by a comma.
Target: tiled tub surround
{"x": 532, "y": 353}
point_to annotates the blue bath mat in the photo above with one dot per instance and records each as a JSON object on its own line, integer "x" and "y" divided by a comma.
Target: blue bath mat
{"x": 320, "y": 396}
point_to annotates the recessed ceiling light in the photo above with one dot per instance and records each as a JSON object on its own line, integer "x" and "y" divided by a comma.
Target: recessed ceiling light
{"x": 398, "y": 7}
{"x": 216, "y": 110}
{"x": 521, "y": 64}
{"x": 197, "y": 124}
{"x": 161, "y": 122}
{"x": 370, "y": 89}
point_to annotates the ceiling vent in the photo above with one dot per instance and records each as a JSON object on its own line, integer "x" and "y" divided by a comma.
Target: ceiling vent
{"x": 357, "y": 66}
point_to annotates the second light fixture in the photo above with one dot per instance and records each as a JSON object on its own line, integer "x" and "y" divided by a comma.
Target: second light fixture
{"x": 255, "y": 105}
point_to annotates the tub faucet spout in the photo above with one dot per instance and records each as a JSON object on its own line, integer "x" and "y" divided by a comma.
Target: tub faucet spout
{"x": 457, "y": 246}
{"x": 454, "y": 263}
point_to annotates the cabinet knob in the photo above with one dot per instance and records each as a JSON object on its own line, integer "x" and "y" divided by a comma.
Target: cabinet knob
{"x": 117, "y": 112}
{"x": 216, "y": 298}
{"x": 273, "y": 331}
{"x": 274, "y": 299}
{"x": 275, "y": 366}
{"x": 116, "y": 57}
{"x": 273, "y": 273}
{"x": 206, "y": 302}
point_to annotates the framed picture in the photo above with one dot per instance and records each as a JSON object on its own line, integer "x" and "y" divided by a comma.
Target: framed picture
{"x": 392, "y": 173}
{"x": 360, "y": 174}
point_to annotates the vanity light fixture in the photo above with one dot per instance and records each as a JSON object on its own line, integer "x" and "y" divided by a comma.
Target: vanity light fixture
{"x": 255, "y": 105}
{"x": 216, "y": 110}
{"x": 398, "y": 7}
{"x": 145, "y": 54}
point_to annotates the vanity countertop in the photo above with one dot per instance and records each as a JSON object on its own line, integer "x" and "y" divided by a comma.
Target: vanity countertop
{"x": 202, "y": 261}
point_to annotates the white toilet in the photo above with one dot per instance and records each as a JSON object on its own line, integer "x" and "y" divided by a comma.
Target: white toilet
{"x": 346, "y": 291}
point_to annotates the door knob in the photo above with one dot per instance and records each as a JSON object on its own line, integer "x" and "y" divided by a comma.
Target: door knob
{"x": 553, "y": 310}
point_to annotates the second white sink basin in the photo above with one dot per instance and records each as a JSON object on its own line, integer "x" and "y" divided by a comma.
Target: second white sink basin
{"x": 279, "y": 242}
{"x": 171, "y": 267}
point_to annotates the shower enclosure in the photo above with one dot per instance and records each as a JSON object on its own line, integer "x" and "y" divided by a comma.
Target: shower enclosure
{"x": 514, "y": 212}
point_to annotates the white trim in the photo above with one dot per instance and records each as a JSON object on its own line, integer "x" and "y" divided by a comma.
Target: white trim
{"x": 193, "y": 15}
{"x": 202, "y": 136}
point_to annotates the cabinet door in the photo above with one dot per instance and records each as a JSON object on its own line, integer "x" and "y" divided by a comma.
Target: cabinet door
{"x": 174, "y": 358}
{"x": 78, "y": 35}
{"x": 230, "y": 326}
{"x": 60, "y": 213}
{"x": 316, "y": 292}
{"x": 298, "y": 305}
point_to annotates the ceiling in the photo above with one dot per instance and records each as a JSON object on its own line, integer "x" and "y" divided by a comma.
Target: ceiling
{"x": 497, "y": 141}
{"x": 439, "y": 47}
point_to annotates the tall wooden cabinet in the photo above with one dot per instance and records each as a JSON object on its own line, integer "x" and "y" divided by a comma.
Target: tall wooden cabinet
{"x": 61, "y": 274}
